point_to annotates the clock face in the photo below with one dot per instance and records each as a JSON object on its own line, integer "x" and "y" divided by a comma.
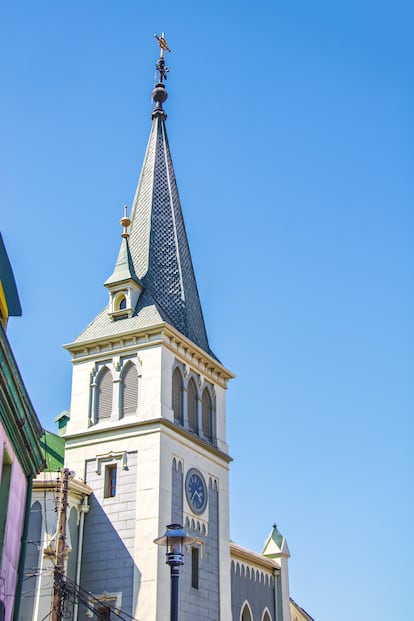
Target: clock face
{"x": 196, "y": 490}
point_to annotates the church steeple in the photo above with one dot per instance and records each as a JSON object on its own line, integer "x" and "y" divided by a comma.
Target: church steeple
{"x": 148, "y": 408}
{"x": 157, "y": 253}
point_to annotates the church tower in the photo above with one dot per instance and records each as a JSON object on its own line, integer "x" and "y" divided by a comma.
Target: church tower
{"x": 147, "y": 428}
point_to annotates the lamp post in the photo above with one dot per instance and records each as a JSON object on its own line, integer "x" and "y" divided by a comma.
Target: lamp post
{"x": 174, "y": 538}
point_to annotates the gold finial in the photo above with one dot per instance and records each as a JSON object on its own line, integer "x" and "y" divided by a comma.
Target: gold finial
{"x": 125, "y": 222}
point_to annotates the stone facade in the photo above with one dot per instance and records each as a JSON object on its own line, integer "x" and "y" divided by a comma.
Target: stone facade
{"x": 108, "y": 567}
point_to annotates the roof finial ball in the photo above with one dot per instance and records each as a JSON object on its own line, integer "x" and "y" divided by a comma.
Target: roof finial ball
{"x": 159, "y": 94}
{"x": 125, "y": 223}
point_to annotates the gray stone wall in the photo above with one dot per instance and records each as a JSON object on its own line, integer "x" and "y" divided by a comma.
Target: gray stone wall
{"x": 109, "y": 536}
{"x": 203, "y": 604}
{"x": 177, "y": 493}
{"x": 255, "y": 587}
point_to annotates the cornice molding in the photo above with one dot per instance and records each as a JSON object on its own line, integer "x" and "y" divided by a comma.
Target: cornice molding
{"x": 161, "y": 334}
{"x": 144, "y": 427}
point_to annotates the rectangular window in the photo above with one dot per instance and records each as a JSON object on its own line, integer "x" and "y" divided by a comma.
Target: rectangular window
{"x": 103, "y": 613}
{"x": 110, "y": 481}
{"x": 195, "y": 558}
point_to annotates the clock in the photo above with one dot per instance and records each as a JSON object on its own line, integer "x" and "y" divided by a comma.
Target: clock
{"x": 196, "y": 491}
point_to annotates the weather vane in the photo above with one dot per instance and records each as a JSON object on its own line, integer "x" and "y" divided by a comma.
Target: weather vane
{"x": 160, "y": 66}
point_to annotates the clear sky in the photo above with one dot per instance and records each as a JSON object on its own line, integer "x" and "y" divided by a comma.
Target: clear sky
{"x": 291, "y": 129}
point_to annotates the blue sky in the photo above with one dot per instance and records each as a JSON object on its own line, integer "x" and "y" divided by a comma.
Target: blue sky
{"x": 291, "y": 129}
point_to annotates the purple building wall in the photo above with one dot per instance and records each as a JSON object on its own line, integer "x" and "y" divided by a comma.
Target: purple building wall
{"x": 14, "y": 526}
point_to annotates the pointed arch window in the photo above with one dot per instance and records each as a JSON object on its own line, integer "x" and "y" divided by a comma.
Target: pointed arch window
{"x": 266, "y": 616}
{"x": 104, "y": 395}
{"x": 192, "y": 406}
{"x": 129, "y": 395}
{"x": 246, "y": 614}
{"x": 207, "y": 415}
{"x": 177, "y": 397}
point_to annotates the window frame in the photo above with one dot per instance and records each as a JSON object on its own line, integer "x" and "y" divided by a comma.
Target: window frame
{"x": 177, "y": 374}
{"x": 195, "y": 567}
{"x": 192, "y": 383}
{"x": 110, "y": 485}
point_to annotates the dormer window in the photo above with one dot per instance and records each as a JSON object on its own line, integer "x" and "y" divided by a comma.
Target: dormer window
{"x": 120, "y": 302}
{"x": 123, "y": 299}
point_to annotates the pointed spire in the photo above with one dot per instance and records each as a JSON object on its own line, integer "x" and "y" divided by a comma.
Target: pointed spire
{"x": 156, "y": 254}
{"x": 158, "y": 240}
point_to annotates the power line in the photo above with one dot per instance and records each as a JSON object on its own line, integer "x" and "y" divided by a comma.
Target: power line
{"x": 121, "y": 615}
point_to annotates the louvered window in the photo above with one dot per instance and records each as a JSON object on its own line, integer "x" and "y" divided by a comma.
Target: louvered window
{"x": 177, "y": 396}
{"x": 206, "y": 415}
{"x": 192, "y": 406}
{"x": 104, "y": 396}
{"x": 130, "y": 391}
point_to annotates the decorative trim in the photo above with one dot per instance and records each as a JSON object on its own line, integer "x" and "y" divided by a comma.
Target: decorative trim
{"x": 122, "y": 455}
{"x": 103, "y": 598}
{"x": 243, "y": 606}
{"x": 150, "y": 426}
{"x": 162, "y": 333}
{"x": 247, "y": 557}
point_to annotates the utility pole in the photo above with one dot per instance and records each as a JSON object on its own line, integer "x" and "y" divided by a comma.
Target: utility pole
{"x": 59, "y": 573}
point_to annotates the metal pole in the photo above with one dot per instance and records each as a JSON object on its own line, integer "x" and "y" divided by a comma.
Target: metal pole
{"x": 175, "y": 574}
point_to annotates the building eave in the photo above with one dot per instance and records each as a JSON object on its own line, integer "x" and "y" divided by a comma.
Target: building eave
{"x": 17, "y": 414}
{"x": 75, "y": 486}
{"x": 306, "y": 616}
{"x": 243, "y": 555}
{"x": 162, "y": 333}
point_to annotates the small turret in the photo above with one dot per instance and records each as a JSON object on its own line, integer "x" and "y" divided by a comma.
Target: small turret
{"x": 123, "y": 285}
{"x": 276, "y": 547}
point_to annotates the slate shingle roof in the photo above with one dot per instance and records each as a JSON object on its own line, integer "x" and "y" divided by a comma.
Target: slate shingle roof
{"x": 159, "y": 252}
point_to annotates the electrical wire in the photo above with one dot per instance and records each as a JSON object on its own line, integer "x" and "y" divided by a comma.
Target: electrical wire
{"x": 96, "y": 600}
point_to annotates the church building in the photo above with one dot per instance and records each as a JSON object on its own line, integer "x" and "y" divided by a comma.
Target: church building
{"x": 146, "y": 437}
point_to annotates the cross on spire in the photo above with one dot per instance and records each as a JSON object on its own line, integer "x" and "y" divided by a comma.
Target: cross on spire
{"x": 160, "y": 66}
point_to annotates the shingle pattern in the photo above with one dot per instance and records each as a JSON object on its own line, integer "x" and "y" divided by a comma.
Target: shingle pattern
{"x": 124, "y": 267}
{"x": 160, "y": 253}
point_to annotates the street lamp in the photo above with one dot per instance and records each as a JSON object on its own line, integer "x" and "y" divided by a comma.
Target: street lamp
{"x": 174, "y": 538}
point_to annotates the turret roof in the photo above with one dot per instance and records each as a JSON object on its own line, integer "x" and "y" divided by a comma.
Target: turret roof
{"x": 124, "y": 267}
{"x": 275, "y": 545}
